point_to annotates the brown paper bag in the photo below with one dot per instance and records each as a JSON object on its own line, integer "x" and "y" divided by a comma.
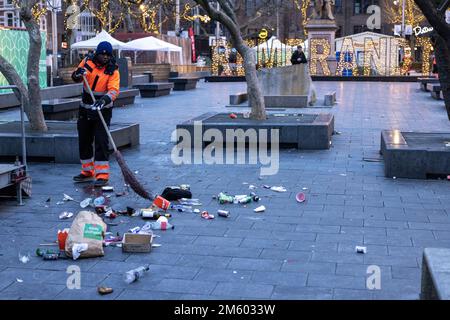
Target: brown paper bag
{"x": 89, "y": 228}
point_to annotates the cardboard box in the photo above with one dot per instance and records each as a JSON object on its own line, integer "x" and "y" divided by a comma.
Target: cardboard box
{"x": 136, "y": 243}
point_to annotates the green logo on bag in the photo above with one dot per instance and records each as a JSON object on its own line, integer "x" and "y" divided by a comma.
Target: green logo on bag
{"x": 93, "y": 231}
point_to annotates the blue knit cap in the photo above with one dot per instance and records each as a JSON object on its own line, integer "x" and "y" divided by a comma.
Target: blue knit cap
{"x": 104, "y": 47}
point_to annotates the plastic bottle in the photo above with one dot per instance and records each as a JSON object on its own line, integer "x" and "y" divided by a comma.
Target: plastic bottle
{"x": 135, "y": 274}
{"x": 223, "y": 198}
{"x": 181, "y": 208}
{"x": 245, "y": 200}
{"x": 160, "y": 224}
{"x": 153, "y": 215}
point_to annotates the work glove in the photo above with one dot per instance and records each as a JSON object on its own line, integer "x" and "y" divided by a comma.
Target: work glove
{"x": 102, "y": 102}
{"x": 80, "y": 72}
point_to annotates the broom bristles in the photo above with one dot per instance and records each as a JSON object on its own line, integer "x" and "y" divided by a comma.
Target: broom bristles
{"x": 130, "y": 178}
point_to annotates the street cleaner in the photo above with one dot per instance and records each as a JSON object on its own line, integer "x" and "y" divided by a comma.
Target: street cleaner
{"x": 102, "y": 74}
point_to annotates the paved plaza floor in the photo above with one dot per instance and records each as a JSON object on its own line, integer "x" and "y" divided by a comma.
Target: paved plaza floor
{"x": 291, "y": 251}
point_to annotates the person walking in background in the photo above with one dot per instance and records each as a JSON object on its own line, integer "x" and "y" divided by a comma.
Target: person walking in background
{"x": 298, "y": 56}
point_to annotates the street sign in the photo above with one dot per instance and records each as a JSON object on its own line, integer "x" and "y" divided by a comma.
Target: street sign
{"x": 263, "y": 34}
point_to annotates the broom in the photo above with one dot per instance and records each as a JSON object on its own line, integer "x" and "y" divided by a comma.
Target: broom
{"x": 127, "y": 174}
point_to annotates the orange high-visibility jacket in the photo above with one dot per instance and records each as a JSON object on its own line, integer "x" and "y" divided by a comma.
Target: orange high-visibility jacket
{"x": 101, "y": 83}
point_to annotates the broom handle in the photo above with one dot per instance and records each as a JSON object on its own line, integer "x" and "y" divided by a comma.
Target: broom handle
{"x": 100, "y": 115}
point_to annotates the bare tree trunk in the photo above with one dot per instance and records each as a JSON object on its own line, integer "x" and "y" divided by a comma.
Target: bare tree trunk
{"x": 443, "y": 62}
{"x": 13, "y": 78}
{"x": 255, "y": 96}
{"x": 35, "y": 112}
{"x": 437, "y": 20}
{"x": 227, "y": 17}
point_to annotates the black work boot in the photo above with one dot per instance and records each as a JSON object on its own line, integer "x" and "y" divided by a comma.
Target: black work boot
{"x": 83, "y": 178}
{"x": 100, "y": 183}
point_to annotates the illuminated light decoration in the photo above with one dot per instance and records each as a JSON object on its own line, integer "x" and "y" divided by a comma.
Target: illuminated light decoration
{"x": 427, "y": 48}
{"x": 220, "y": 58}
{"x": 394, "y": 69}
{"x": 347, "y": 49}
{"x": 407, "y": 61}
{"x": 305, "y": 4}
{"x": 320, "y": 58}
{"x": 378, "y": 57}
{"x": 104, "y": 14}
{"x": 203, "y": 18}
{"x": 413, "y": 15}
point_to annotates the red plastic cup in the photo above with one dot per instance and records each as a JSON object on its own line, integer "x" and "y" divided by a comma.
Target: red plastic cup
{"x": 62, "y": 236}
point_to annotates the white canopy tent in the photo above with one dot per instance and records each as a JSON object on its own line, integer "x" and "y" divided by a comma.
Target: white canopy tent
{"x": 151, "y": 44}
{"x": 93, "y": 42}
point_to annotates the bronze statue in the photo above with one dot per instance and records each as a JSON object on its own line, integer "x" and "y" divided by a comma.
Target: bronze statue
{"x": 322, "y": 9}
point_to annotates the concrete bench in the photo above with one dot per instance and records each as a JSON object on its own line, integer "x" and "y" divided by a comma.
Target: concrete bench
{"x": 61, "y": 109}
{"x": 155, "y": 89}
{"x": 182, "y": 84}
{"x": 424, "y": 81}
{"x": 286, "y": 101}
{"x": 238, "y": 98}
{"x": 435, "y": 274}
{"x": 9, "y": 100}
{"x": 330, "y": 98}
{"x": 126, "y": 97}
{"x": 140, "y": 79}
{"x": 149, "y": 74}
{"x": 436, "y": 92}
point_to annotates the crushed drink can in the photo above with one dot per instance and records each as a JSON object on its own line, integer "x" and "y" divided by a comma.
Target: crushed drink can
{"x": 223, "y": 213}
{"x": 361, "y": 249}
{"x": 161, "y": 203}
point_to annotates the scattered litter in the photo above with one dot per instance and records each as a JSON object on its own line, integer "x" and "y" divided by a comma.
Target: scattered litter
{"x": 135, "y": 274}
{"x": 24, "y": 258}
{"x": 246, "y": 115}
{"x": 59, "y": 203}
{"x": 137, "y": 243}
{"x": 207, "y": 216}
{"x": 156, "y": 245}
{"x": 372, "y": 159}
{"x": 48, "y": 200}
{"x": 48, "y": 244}
{"x": 108, "y": 188}
{"x": 134, "y": 230}
{"x": 252, "y": 187}
{"x": 300, "y": 197}
{"x": 65, "y": 215}
{"x": 394, "y": 178}
{"x": 77, "y": 249}
{"x": 62, "y": 237}
{"x": 278, "y": 189}
{"x": 343, "y": 174}
{"x": 120, "y": 194}
{"x": 110, "y": 214}
{"x": 136, "y": 172}
{"x": 223, "y": 213}
{"x": 337, "y": 132}
{"x": 447, "y": 143}
{"x": 86, "y": 203}
{"x": 191, "y": 202}
{"x": 67, "y": 197}
{"x": 234, "y": 271}
{"x": 305, "y": 188}
{"x": 99, "y": 201}
{"x": 19, "y": 280}
{"x": 361, "y": 249}
{"x": 233, "y": 116}
{"x": 104, "y": 290}
{"x": 260, "y": 209}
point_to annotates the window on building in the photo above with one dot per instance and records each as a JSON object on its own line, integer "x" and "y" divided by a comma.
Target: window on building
{"x": 357, "y": 7}
{"x": 338, "y": 6}
{"x": 9, "y": 17}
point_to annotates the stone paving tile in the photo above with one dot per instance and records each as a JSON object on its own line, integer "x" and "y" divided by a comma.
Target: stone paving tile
{"x": 351, "y": 294}
{"x": 185, "y": 286}
{"x": 32, "y": 291}
{"x": 245, "y": 290}
{"x": 299, "y": 293}
{"x": 349, "y": 203}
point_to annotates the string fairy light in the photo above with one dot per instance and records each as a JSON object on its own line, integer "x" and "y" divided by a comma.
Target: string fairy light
{"x": 320, "y": 58}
